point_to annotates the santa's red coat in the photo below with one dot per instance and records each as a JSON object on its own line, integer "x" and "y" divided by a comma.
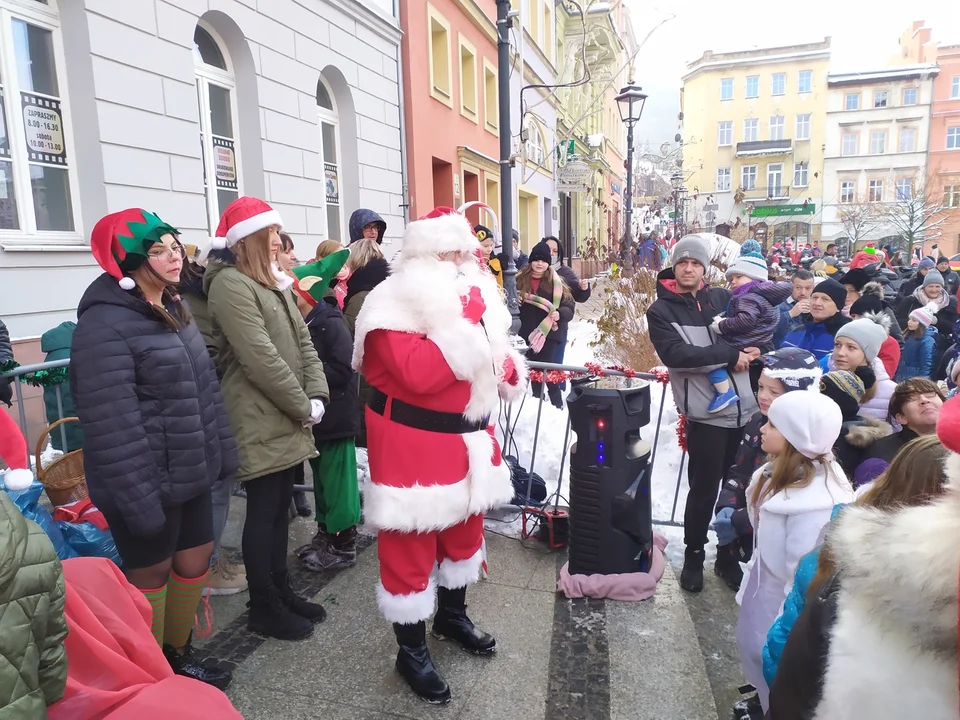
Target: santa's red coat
{"x": 414, "y": 344}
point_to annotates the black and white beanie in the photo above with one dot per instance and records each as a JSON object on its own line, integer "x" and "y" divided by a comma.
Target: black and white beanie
{"x": 797, "y": 369}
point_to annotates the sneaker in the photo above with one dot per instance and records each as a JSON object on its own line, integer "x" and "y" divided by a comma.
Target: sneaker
{"x": 186, "y": 663}
{"x": 722, "y": 400}
{"x": 226, "y": 579}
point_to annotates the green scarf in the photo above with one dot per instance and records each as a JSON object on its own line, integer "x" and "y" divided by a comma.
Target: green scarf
{"x": 546, "y": 325}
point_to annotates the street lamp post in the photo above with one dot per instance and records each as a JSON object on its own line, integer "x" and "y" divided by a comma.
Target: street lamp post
{"x": 678, "y": 189}
{"x": 630, "y": 102}
{"x": 504, "y": 23}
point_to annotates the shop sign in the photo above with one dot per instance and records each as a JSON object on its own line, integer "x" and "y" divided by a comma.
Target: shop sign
{"x": 225, "y": 163}
{"x": 43, "y": 124}
{"x": 782, "y": 210}
{"x": 615, "y": 188}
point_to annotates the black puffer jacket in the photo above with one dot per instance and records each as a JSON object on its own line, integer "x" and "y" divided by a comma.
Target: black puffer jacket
{"x": 331, "y": 338}
{"x": 156, "y": 432}
{"x": 359, "y": 284}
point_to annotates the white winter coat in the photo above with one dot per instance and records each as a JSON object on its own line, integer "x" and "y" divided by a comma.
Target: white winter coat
{"x": 878, "y": 406}
{"x": 785, "y": 528}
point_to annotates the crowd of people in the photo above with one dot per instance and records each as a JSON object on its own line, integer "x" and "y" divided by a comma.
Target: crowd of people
{"x": 822, "y": 433}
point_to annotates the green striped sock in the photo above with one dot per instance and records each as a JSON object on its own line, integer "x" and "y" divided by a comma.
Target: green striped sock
{"x": 158, "y": 604}
{"x": 183, "y": 594}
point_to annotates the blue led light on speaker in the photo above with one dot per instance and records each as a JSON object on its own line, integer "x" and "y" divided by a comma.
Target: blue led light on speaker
{"x": 600, "y": 458}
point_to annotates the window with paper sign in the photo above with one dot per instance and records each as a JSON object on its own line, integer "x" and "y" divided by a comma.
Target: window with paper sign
{"x": 36, "y": 182}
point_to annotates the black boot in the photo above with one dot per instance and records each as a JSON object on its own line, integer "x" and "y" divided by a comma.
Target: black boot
{"x": 536, "y": 388}
{"x": 691, "y": 577}
{"x": 300, "y": 502}
{"x": 344, "y": 543}
{"x": 727, "y": 566}
{"x": 313, "y": 612}
{"x": 555, "y": 395}
{"x": 451, "y": 622}
{"x": 185, "y": 663}
{"x": 416, "y": 667}
{"x": 270, "y": 617}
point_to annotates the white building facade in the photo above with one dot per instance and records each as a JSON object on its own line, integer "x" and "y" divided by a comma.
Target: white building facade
{"x": 179, "y": 107}
{"x": 878, "y": 128}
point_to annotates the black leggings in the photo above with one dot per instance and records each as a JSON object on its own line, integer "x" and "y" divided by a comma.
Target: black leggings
{"x": 265, "y": 529}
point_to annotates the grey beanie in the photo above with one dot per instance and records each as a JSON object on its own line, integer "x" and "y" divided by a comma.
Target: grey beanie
{"x": 932, "y": 277}
{"x": 693, "y": 247}
{"x": 866, "y": 333}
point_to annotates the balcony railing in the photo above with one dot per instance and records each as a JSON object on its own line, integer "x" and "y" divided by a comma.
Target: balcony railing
{"x": 771, "y": 192}
{"x": 760, "y": 148}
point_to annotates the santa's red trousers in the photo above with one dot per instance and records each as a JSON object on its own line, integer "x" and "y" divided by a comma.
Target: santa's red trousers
{"x": 413, "y": 564}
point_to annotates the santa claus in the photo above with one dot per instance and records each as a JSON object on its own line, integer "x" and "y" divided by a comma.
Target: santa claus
{"x": 433, "y": 342}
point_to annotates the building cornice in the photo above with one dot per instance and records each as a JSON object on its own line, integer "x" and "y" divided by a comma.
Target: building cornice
{"x": 876, "y": 77}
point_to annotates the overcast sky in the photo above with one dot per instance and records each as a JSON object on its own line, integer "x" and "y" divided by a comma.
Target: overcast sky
{"x": 862, "y": 39}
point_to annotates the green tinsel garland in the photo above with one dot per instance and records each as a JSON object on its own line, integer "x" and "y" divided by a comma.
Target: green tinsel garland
{"x": 41, "y": 378}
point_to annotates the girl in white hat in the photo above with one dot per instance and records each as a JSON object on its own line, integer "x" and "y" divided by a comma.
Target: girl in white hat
{"x": 790, "y": 499}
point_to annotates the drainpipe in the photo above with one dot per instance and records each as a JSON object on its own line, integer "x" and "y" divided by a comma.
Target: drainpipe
{"x": 403, "y": 136}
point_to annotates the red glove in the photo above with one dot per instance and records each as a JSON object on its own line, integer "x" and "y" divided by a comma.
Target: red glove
{"x": 473, "y": 306}
{"x": 510, "y": 374}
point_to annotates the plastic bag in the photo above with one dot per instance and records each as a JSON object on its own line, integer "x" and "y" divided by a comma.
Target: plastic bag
{"x": 28, "y": 502}
{"x": 87, "y": 540}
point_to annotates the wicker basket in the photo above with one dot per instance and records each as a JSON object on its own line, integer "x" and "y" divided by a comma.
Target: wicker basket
{"x": 63, "y": 479}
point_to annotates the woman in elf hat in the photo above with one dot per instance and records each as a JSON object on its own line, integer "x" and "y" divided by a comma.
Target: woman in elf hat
{"x": 336, "y": 491}
{"x": 156, "y": 432}
{"x": 274, "y": 391}
{"x": 546, "y": 309}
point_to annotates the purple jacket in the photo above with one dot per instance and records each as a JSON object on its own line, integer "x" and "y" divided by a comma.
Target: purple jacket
{"x": 752, "y": 314}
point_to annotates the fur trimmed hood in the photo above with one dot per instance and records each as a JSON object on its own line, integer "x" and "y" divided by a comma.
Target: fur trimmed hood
{"x": 424, "y": 295}
{"x": 865, "y": 435}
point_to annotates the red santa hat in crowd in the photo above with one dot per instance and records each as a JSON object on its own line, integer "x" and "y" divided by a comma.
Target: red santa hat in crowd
{"x": 948, "y": 432}
{"x": 13, "y": 450}
{"x": 441, "y": 230}
{"x": 242, "y": 218}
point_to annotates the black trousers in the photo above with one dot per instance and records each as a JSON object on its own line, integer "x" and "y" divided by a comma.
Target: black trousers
{"x": 266, "y": 525}
{"x": 710, "y": 450}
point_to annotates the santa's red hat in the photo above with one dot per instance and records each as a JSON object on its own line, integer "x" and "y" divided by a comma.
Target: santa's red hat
{"x": 948, "y": 425}
{"x": 442, "y": 230}
{"x": 242, "y": 218}
{"x": 13, "y": 450}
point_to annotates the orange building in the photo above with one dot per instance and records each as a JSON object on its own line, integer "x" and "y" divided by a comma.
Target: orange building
{"x": 450, "y": 103}
{"x": 944, "y": 159}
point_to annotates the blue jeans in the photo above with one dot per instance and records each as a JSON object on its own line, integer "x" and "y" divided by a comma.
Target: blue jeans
{"x": 220, "y": 498}
{"x": 718, "y": 375}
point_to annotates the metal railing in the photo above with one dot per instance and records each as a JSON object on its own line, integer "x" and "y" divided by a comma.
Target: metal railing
{"x": 507, "y": 422}
{"x": 15, "y": 375}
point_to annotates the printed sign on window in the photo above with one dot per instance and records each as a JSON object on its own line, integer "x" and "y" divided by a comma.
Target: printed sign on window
{"x": 332, "y": 183}
{"x": 225, "y": 162}
{"x": 43, "y": 125}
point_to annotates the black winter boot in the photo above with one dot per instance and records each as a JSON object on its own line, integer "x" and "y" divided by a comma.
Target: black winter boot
{"x": 451, "y": 622}
{"x": 344, "y": 543}
{"x": 300, "y": 502}
{"x": 270, "y": 617}
{"x": 185, "y": 663}
{"x": 555, "y": 395}
{"x": 313, "y": 612}
{"x": 416, "y": 667}
{"x": 691, "y": 577}
{"x": 727, "y": 566}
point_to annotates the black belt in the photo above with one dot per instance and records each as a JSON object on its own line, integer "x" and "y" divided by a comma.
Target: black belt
{"x": 423, "y": 419}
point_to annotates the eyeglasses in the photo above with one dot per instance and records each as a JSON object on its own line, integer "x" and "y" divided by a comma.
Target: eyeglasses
{"x": 168, "y": 253}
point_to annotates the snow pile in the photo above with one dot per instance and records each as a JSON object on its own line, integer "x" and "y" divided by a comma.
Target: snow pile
{"x": 550, "y": 448}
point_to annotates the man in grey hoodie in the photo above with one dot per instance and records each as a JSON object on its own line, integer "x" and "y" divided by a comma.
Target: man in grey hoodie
{"x": 366, "y": 224}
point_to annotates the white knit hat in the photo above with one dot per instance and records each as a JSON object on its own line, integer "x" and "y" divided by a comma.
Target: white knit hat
{"x": 750, "y": 263}
{"x": 809, "y": 421}
{"x": 926, "y": 315}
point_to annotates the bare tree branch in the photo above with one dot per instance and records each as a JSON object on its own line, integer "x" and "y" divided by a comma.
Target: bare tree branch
{"x": 917, "y": 213}
{"x": 859, "y": 218}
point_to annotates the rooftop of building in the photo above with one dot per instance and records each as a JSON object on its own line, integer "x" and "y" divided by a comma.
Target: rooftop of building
{"x": 711, "y": 60}
{"x": 869, "y": 77}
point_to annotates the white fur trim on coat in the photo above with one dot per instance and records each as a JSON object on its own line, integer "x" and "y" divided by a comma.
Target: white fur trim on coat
{"x": 424, "y": 297}
{"x": 429, "y": 508}
{"x": 407, "y": 609}
{"x": 455, "y": 574}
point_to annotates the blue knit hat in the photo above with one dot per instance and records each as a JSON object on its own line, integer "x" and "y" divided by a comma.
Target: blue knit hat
{"x": 750, "y": 263}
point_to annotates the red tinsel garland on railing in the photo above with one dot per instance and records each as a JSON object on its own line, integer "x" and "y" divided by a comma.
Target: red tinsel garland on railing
{"x": 682, "y": 432}
{"x": 554, "y": 377}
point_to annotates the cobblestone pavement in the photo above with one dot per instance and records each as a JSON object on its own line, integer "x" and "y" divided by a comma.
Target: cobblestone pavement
{"x": 557, "y": 658}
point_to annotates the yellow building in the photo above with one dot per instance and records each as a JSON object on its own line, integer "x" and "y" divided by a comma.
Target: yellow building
{"x": 754, "y": 128}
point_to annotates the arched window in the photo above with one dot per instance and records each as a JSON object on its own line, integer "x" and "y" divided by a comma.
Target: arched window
{"x": 535, "y": 146}
{"x": 216, "y": 95}
{"x": 330, "y": 152}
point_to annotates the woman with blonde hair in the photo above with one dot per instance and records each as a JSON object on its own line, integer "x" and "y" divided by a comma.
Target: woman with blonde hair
{"x": 275, "y": 391}
{"x": 789, "y": 501}
{"x": 325, "y": 249}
